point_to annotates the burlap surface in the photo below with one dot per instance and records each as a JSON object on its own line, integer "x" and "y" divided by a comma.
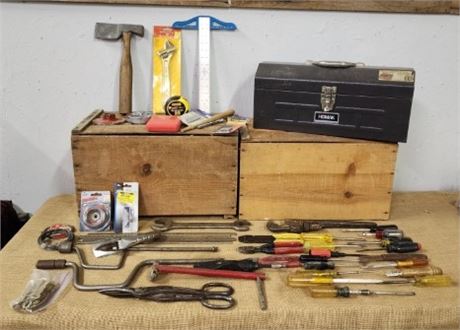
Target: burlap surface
{"x": 429, "y": 218}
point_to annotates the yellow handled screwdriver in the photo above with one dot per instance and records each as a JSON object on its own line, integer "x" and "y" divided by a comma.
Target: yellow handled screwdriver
{"x": 300, "y": 280}
{"x": 334, "y": 292}
{"x": 432, "y": 270}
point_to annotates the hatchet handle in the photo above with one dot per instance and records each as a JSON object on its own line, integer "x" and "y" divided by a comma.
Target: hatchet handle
{"x": 126, "y": 76}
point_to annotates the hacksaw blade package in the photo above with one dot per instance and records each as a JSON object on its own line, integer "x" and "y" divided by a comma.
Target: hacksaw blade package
{"x": 126, "y": 209}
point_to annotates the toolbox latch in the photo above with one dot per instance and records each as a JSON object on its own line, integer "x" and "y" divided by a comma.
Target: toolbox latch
{"x": 328, "y": 94}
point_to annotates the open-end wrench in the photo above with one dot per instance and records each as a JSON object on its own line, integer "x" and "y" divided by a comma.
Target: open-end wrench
{"x": 168, "y": 224}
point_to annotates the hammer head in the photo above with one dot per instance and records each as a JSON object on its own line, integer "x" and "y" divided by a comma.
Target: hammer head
{"x": 107, "y": 31}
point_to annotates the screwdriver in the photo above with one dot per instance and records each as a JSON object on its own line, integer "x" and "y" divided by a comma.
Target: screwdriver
{"x": 415, "y": 272}
{"x": 386, "y": 233}
{"x": 398, "y": 247}
{"x": 388, "y": 241}
{"x": 414, "y": 262}
{"x": 271, "y": 248}
{"x": 432, "y": 280}
{"x": 299, "y": 280}
{"x": 328, "y": 253}
{"x": 365, "y": 259}
{"x": 303, "y": 226}
{"x": 325, "y": 272}
{"x": 398, "y": 264}
{"x": 371, "y": 230}
{"x": 334, "y": 292}
{"x": 300, "y": 237}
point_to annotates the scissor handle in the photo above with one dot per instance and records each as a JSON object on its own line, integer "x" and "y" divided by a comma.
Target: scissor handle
{"x": 217, "y": 295}
{"x": 218, "y": 288}
{"x": 222, "y": 301}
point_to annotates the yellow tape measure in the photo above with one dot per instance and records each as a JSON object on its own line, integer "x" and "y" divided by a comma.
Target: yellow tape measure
{"x": 176, "y": 106}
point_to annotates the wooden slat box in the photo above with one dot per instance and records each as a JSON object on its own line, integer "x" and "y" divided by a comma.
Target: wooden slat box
{"x": 182, "y": 174}
{"x": 286, "y": 175}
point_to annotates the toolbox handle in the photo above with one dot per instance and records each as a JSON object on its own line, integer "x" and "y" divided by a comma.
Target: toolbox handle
{"x": 337, "y": 64}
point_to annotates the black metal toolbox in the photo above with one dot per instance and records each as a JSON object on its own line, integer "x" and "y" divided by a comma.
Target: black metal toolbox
{"x": 334, "y": 98}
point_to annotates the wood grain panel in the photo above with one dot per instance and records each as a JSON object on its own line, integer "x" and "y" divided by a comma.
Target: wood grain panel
{"x": 316, "y": 180}
{"x": 395, "y": 6}
{"x": 178, "y": 175}
{"x": 268, "y": 135}
{"x": 187, "y": 3}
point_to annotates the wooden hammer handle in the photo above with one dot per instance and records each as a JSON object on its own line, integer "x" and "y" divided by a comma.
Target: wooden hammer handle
{"x": 126, "y": 76}
{"x": 215, "y": 117}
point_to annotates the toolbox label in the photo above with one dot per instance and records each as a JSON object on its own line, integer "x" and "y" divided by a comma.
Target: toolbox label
{"x": 326, "y": 117}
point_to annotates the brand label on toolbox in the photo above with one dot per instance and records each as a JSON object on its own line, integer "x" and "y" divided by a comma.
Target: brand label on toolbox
{"x": 326, "y": 117}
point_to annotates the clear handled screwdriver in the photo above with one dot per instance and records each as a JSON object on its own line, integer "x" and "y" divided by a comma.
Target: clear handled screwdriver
{"x": 334, "y": 292}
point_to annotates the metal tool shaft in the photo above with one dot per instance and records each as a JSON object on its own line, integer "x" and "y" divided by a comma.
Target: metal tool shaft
{"x": 261, "y": 295}
{"x": 175, "y": 248}
{"x": 163, "y": 237}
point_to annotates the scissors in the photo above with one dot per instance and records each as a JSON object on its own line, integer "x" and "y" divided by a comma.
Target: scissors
{"x": 212, "y": 295}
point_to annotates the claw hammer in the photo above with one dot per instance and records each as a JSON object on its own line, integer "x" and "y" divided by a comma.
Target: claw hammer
{"x": 107, "y": 31}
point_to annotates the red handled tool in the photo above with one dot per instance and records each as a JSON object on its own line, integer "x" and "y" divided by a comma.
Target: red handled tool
{"x": 158, "y": 269}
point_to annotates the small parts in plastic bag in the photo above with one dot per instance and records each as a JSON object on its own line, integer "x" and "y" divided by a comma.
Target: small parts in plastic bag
{"x": 41, "y": 291}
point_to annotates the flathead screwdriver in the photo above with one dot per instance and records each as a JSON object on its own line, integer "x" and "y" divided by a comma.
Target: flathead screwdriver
{"x": 398, "y": 264}
{"x": 327, "y": 273}
{"x": 334, "y": 292}
{"x": 371, "y": 230}
{"x": 412, "y": 272}
{"x": 299, "y": 280}
{"x": 365, "y": 259}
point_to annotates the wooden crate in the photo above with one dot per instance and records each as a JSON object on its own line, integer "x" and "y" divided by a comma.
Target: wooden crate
{"x": 287, "y": 175}
{"x": 182, "y": 174}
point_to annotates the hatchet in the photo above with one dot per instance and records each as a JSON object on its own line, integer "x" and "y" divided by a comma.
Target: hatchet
{"x": 107, "y": 31}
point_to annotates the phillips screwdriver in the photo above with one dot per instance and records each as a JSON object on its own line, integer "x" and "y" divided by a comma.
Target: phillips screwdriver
{"x": 298, "y": 280}
{"x": 304, "y": 226}
{"x": 386, "y": 233}
{"x": 387, "y": 241}
{"x": 271, "y": 248}
{"x": 365, "y": 259}
{"x": 398, "y": 247}
{"x": 346, "y": 292}
{"x": 370, "y": 230}
{"x": 432, "y": 280}
{"x": 432, "y": 270}
{"x": 397, "y": 264}
{"x": 293, "y": 237}
{"x": 328, "y": 253}
{"x": 325, "y": 272}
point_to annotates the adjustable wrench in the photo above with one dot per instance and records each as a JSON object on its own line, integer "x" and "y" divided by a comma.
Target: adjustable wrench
{"x": 168, "y": 224}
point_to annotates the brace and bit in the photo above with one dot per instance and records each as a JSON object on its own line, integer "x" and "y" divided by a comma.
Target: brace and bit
{"x": 62, "y": 263}
{"x": 168, "y": 224}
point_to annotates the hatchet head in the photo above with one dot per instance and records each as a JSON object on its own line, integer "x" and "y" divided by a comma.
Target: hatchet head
{"x": 108, "y": 31}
